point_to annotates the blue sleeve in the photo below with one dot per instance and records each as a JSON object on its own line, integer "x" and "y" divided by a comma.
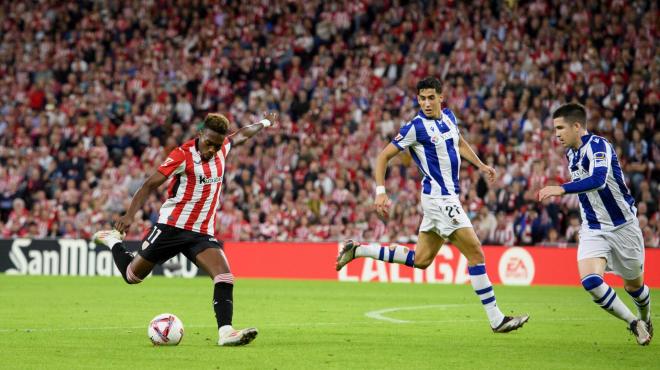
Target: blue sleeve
{"x": 599, "y": 164}
{"x": 595, "y": 181}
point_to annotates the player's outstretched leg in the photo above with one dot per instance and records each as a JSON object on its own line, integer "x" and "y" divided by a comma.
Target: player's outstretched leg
{"x": 394, "y": 253}
{"x": 113, "y": 240}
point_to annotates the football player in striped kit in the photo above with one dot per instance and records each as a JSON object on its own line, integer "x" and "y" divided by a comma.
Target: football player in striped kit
{"x": 187, "y": 218}
{"x": 436, "y": 146}
{"x": 610, "y": 238}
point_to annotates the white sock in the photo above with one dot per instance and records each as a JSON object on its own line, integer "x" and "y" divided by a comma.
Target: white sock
{"x": 367, "y": 250}
{"x": 484, "y": 289}
{"x": 112, "y": 241}
{"x": 395, "y": 253}
{"x": 225, "y": 329}
{"x": 642, "y": 299}
{"x": 606, "y": 298}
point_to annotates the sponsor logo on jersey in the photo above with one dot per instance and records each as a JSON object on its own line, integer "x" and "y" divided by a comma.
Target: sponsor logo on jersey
{"x": 599, "y": 159}
{"x": 209, "y": 180}
{"x": 398, "y": 137}
{"x": 578, "y": 173}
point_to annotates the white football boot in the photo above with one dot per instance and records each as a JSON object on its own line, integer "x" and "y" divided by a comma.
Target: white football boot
{"x": 108, "y": 237}
{"x": 511, "y": 323}
{"x": 640, "y": 330}
{"x": 347, "y": 254}
{"x": 232, "y": 337}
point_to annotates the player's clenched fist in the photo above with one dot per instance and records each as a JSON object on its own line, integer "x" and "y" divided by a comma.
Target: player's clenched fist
{"x": 273, "y": 117}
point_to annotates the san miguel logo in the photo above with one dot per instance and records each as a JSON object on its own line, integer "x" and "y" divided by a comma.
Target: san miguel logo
{"x": 516, "y": 267}
{"x": 73, "y": 257}
{"x": 209, "y": 180}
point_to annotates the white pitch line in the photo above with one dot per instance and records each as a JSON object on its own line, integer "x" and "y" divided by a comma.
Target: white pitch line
{"x": 378, "y": 314}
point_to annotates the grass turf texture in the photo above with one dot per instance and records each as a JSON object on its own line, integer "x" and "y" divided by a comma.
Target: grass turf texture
{"x": 96, "y": 322}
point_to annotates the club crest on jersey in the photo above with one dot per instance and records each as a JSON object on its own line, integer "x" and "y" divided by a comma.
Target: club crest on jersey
{"x": 209, "y": 180}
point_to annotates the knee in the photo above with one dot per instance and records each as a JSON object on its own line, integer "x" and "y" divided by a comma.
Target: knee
{"x": 631, "y": 286}
{"x": 476, "y": 256}
{"x": 422, "y": 262}
{"x": 592, "y": 281}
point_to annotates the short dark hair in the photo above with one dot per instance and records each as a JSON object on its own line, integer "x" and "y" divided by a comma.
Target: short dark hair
{"x": 429, "y": 82}
{"x": 217, "y": 122}
{"x": 571, "y": 113}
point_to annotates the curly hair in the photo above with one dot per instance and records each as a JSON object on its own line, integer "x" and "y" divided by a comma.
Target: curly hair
{"x": 217, "y": 122}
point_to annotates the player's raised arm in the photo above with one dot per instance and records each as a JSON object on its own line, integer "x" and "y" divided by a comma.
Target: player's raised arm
{"x": 240, "y": 136}
{"x": 382, "y": 201}
{"x": 465, "y": 150}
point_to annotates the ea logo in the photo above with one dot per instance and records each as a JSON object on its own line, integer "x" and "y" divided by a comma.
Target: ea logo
{"x": 516, "y": 267}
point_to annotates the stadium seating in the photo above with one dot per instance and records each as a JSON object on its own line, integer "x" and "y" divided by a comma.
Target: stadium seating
{"x": 92, "y": 98}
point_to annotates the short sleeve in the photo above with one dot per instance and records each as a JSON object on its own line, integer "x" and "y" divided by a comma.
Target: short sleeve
{"x": 406, "y": 137}
{"x": 226, "y": 146}
{"x": 174, "y": 164}
{"x": 451, "y": 116}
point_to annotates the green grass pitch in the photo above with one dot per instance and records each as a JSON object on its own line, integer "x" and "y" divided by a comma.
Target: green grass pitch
{"x": 100, "y": 323}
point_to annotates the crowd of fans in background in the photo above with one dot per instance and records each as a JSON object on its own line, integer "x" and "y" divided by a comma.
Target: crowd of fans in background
{"x": 94, "y": 94}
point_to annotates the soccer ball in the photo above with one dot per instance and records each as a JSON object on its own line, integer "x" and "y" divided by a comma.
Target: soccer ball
{"x": 165, "y": 330}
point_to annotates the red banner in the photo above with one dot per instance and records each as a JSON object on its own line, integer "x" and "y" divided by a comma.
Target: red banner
{"x": 510, "y": 266}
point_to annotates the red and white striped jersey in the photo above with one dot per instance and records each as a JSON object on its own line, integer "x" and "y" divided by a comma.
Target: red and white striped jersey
{"x": 194, "y": 189}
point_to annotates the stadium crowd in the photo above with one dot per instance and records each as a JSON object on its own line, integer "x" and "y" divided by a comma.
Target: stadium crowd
{"x": 94, "y": 94}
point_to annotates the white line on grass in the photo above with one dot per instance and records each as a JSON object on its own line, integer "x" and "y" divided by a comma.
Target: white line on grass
{"x": 379, "y": 315}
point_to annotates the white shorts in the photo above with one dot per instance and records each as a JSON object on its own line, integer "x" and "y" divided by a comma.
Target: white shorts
{"x": 443, "y": 216}
{"x": 623, "y": 249}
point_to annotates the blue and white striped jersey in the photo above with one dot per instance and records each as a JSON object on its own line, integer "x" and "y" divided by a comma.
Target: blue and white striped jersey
{"x": 433, "y": 145}
{"x": 605, "y": 201}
